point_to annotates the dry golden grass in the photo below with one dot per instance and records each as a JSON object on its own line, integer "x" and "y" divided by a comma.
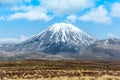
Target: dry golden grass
{"x": 104, "y": 77}
{"x": 59, "y": 70}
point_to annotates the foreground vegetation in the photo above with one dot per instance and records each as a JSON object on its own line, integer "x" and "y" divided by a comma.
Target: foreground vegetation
{"x": 59, "y": 70}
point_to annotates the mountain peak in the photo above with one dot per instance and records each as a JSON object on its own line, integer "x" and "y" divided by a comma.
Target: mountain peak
{"x": 64, "y": 27}
{"x": 59, "y": 37}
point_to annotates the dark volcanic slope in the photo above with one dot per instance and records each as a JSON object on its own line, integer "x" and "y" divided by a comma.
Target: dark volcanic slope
{"x": 104, "y": 49}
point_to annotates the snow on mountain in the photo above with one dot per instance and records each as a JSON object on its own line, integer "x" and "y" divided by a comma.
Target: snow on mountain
{"x": 59, "y": 37}
{"x": 108, "y": 43}
{"x": 63, "y": 32}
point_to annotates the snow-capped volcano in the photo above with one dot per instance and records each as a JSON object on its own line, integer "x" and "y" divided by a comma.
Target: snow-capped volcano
{"x": 59, "y": 37}
{"x": 67, "y": 32}
{"x": 62, "y": 41}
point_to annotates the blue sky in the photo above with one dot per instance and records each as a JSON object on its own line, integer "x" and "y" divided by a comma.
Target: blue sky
{"x": 20, "y": 19}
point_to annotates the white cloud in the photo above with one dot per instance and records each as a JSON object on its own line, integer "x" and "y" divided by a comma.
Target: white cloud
{"x": 71, "y": 18}
{"x": 6, "y": 5}
{"x": 1, "y": 18}
{"x": 9, "y": 40}
{"x": 23, "y": 38}
{"x": 116, "y": 10}
{"x": 33, "y": 14}
{"x": 99, "y": 15}
{"x": 111, "y": 35}
{"x": 13, "y": 2}
{"x": 22, "y": 8}
{"x": 10, "y": 2}
{"x": 13, "y": 40}
{"x": 66, "y": 6}
{"x": 28, "y": 1}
